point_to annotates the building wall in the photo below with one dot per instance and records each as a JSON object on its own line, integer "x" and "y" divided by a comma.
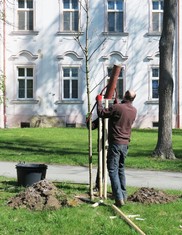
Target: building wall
{"x": 48, "y": 50}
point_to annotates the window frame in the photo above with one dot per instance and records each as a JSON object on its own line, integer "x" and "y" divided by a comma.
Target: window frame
{"x": 26, "y": 10}
{"x": 71, "y": 11}
{"x": 16, "y": 30}
{"x": 116, "y": 12}
{"x": 115, "y": 33}
{"x": 25, "y": 78}
{"x": 153, "y": 78}
{"x": 158, "y": 11}
{"x": 70, "y": 78}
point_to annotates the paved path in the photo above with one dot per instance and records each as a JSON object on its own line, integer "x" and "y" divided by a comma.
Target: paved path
{"x": 76, "y": 174}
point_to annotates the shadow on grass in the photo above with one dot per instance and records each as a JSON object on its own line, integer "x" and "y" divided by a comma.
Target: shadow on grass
{"x": 46, "y": 148}
{"x": 70, "y": 186}
{"x": 10, "y": 186}
{"x": 49, "y": 150}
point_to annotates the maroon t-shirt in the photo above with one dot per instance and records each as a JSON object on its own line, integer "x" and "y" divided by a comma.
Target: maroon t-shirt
{"x": 121, "y": 117}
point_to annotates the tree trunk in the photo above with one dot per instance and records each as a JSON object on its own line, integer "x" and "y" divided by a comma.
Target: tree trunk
{"x": 164, "y": 148}
{"x": 88, "y": 97}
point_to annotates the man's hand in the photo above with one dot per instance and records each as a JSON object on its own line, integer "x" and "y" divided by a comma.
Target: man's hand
{"x": 98, "y": 97}
{"x": 116, "y": 101}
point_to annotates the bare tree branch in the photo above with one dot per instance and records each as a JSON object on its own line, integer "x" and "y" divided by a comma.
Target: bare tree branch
{"x": 97, "y": 48}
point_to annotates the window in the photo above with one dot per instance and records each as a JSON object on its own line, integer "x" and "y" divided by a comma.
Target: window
{"x": 25, "y": 83}
{"x": 70, "y": 83}
{"x": 25, "y": 14}
{"x": 155, "y": 83}
{"x": 115, "y": 15}
{"x": 155, "y": 124}
{"x": 157, "y": 15}
{"x": 119, "y": 86}
{"x": 70, "y": 15}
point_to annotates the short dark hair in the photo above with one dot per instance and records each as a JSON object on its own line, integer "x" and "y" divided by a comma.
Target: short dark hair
{"x": 130, "y": 95}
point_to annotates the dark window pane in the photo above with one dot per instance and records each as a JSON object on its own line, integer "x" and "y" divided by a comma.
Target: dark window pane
{"x": 66, "y": 89}
{"x": 21, "y": 20}
{"x": 119, "y": 88}
{"x": 30, "y": 4}
{"x": 21, "y": 3}
{"x": 162, "y": 5}
{"x": 75, "y": 4}
{"x": 161, "y": 15}
{"x": 74, "y": 72}
{"x": 119, "y": 5}
{"x": 66, "y": 72}
{"x": 30, "y": 20}
{"x": 109, "y": 70}
{"x": 30, "y": 88}
{"x": 155, "y": 72}
{"x": 155, "y": 5}
{"x": 111, "y": 5}
{"x": 155, "y": 86}
{"x": 21, "y": 88}
{"x": 155, "y": 21}
{"x": 66, "y": 19}
{"x": 21, "y": 72}
{"x": 119, "y": 22}
{"x": 111, "y": 22}
{"x": 75, "y": 21}
{"x": 29, "y": 72}
{"x": 66, "y": 4}
{"x": 75, "y": 89}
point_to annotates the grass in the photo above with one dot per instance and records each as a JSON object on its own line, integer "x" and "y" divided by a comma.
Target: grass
{"x": 69, "y": 146}
{"x": 160, "y": 219}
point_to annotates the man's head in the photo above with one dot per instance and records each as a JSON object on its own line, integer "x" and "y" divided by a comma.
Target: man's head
{"x": 129, "y": 95}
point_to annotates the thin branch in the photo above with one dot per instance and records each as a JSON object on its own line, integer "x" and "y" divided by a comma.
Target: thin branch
{"x": 97, "y": 48}
{"x": 98, "y": 83}
{"x": 85, "y": 9}
{"x": 79, "y": 43}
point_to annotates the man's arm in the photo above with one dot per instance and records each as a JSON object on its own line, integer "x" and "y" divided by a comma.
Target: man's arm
{"x": 103, "y": 112}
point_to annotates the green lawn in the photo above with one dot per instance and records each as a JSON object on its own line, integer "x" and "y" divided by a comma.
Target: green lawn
{"x": 159, "y": 219}
{"x": 70, "y": 146}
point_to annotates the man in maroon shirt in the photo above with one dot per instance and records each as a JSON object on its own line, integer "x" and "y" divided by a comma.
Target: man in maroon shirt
{"x": 121, "y": 117}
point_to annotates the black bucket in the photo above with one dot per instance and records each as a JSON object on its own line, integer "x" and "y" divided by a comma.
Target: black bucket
{"x": 28, "y": 174}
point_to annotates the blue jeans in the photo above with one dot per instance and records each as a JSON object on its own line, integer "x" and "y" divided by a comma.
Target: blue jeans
{"x": 115, "y": 165}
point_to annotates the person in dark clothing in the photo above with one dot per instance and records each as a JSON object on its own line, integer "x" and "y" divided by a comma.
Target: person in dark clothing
{"x": 121, "y": 117}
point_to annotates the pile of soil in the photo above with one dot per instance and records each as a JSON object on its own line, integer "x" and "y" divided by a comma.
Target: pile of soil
{"x": 151, "y": 196}
{"x": 45, "y": 195}
{"x": 41, "y": 195}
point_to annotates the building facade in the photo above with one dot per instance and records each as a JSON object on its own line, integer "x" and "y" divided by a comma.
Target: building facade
{"x": 43, "y": 61}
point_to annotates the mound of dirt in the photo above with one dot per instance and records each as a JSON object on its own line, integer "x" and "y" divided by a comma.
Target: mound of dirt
{"x": 41, "y": 195}
{"x": 150, "y": 195}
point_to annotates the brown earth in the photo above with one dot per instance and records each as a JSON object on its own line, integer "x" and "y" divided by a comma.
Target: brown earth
{"x": 45, "y": 195}
{"x": 150, "y": 195}
{"x": 41, "y": 195}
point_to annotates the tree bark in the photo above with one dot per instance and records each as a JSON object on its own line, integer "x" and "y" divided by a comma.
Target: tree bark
{"x": 164, "y": 147}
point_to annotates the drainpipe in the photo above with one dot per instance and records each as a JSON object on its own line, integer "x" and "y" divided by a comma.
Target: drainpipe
{"x": 4, "y": 62}
{"x": 178, "y": 70}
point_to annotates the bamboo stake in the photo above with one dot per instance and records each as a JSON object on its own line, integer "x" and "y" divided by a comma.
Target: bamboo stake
{"x": 128, "y": 220}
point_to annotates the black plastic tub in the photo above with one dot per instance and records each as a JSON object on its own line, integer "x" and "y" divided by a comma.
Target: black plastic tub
{"x": 28, "y": 174}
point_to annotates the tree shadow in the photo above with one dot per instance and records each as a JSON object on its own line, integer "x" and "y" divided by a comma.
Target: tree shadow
{"x": 10, "y": 186}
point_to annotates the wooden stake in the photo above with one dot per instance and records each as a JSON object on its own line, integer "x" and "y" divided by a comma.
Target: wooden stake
{"x": 100, "y": 159}
{"x": 105, "y": 150}
{"x": 128, "y": 220}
